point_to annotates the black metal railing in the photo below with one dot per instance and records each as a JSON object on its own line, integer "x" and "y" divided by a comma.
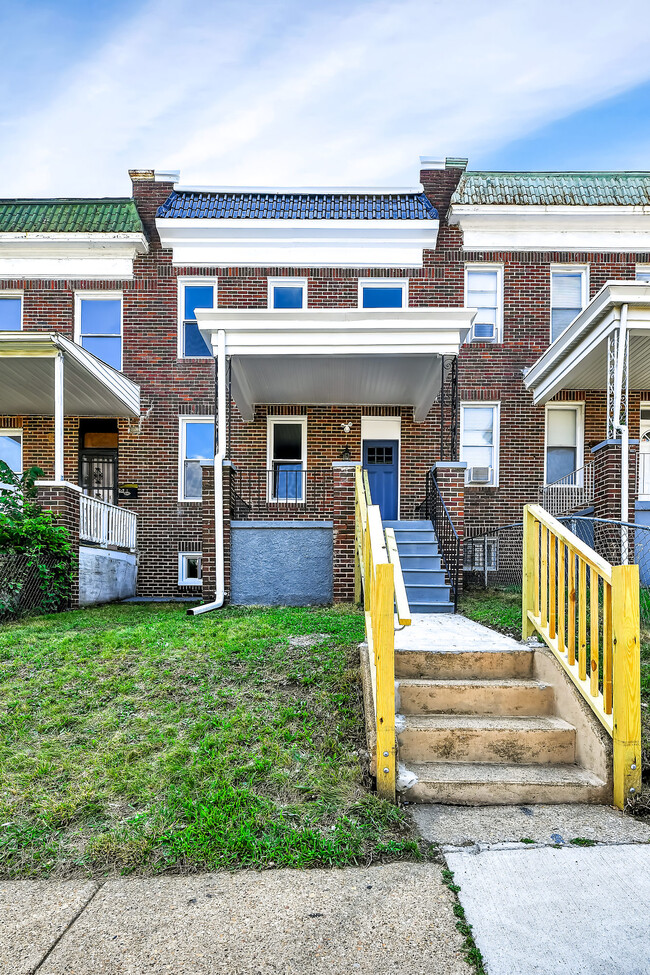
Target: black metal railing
{"x": 435, "y": 510}
{"x": 281, "y": 492}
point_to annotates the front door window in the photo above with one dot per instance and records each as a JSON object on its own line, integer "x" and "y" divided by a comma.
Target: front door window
{"x": 99, "y": 474}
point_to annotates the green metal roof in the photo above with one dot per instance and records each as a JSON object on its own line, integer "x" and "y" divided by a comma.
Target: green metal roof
{"x": 554, "y": 189}
{"x": 103, "y": 216}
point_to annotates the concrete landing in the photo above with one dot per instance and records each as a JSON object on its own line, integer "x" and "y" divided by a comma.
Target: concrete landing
{"x": 450, "y": 632}
{"x": 554, "y": 911}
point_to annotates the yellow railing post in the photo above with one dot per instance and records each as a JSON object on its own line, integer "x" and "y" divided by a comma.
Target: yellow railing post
{"x": 357, "y": 537}
{"x": 627, "y": 682}
{"x": 529, "y": 580}
{"x": 384, "y": 640}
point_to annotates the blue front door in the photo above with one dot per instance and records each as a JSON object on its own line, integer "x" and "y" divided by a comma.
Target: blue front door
{"x": 380, "y": 459}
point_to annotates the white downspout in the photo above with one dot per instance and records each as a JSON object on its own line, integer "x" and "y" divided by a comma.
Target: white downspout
{"x": 219, "y": 456}
{"x": 59, "y": 417}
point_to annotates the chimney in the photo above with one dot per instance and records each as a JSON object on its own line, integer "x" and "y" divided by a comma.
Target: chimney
{"x": 150, "y": 190}
{"x": 440, "y": 177}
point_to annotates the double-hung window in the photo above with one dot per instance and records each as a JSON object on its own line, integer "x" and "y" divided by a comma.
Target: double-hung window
{"x": 11, "y": 448}
{"x": 484, "y": 291}
{"x": 564, "y": 443}
{"x": 290, "y": 293}
{"x": 643, "y": 272}
{"x": 196, "y": 447}
{"x": 383, "y": 292}
{"x": 11, "y": 311}
{"x": 98, "y": 325}
{"x": 287, "y": 454}
{"x": 568, "y": 296}
{"x": 193, "y": 293}
{"x": 479, "y": 442}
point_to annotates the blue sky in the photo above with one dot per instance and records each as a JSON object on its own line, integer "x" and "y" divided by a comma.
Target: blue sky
{"x": 282, "y": 92}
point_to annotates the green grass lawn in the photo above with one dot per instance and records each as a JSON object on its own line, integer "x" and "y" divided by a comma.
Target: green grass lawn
{"x": 501, "y": 609}
{"x": 136, "y": 738}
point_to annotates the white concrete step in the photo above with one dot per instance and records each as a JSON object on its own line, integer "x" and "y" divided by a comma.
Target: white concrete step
{"x": 468, "y": 696}
{"x": 468, "y": 784}
{"x": 521, "y": 740}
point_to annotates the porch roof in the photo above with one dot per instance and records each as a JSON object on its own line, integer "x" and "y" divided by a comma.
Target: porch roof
{"x": 90, "y": 387}
{"x": 337, "y": 356}
{"x": 578, "y": 358}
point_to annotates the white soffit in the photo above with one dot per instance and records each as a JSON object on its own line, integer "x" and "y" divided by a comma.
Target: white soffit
{"x": 223, "y": 242}
{"x": 543, "y": 228}
{"x": 75, "y": 255}
{"x": 578, "y": 358}
{"x": 90, "y": 387}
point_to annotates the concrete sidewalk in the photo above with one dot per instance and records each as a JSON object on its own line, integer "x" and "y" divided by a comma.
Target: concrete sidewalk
{"x": 379, "y": 920}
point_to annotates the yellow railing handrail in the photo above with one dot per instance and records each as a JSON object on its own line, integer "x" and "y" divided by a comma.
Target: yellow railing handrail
{"x": 562, "y": 582}
{"x": 401, "y": 599}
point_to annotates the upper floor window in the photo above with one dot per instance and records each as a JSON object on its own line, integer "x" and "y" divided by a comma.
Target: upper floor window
{"x": 98, "y": 325}
{"x": 568, "y": 296}
{"x": 11, "y": 448}
{"x": 193, "y": 293}
{"x": 383, "y": 292}
{"x": 484, "y": 291}
{"x": 287, "y": 293}
{"x": 11, "y": 311}
{"x": 479, "y": 442}
{"x": 196, "y": 446}
{"x": 643, "y": 272}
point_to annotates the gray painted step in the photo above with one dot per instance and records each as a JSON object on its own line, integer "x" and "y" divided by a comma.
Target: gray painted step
{"x": 427, "y": 594}
{"x": 423, "y": 549}
{"x": 431, "y": 607}
{"x": 402, "y": 535}
{"x": 409, "y": 525}
{"x": 423, "y": 576}
{"x": 463, "y": 783}
{"x": 409, "y": 562}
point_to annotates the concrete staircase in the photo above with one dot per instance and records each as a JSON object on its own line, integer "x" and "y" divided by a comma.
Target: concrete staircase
{"x": 424, "y": 576}
{"x": 477, "y": 727}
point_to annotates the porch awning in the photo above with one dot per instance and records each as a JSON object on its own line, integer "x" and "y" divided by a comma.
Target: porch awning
{"x": 90, "y": 387}
{"x": 337, "y": 356}
{"x": 578, "y": 359}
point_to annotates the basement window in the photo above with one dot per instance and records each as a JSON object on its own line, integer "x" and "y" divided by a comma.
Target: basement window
{"x": 190, "y": 569}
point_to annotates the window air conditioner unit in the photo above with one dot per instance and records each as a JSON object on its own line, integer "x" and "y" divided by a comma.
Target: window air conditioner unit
{"x": 480, "y": 475}
{"x": 484, "y": 332}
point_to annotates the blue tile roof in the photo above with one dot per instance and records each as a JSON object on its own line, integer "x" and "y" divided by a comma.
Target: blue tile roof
{"x": 298, "y": 206}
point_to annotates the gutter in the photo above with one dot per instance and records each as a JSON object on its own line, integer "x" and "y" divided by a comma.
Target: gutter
{"x": 219, "y": 457}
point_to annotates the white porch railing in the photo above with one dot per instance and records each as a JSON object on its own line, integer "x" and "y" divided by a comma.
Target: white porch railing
{"x": 572, "y": 491}
{"x": 105, "y": 524}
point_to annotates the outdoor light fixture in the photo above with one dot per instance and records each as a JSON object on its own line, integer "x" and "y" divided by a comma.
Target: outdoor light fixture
{"x": 346, "y": 453}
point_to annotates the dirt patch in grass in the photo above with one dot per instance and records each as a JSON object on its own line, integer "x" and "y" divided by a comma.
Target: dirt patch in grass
{"x": 138, "y": 739}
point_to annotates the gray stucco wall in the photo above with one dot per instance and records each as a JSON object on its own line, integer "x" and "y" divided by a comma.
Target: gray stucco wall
{"x": 281, "y": 563}
{"x": 105, "y": 576}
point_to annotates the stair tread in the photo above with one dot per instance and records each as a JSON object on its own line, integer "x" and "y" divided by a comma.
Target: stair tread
{"x": 483, "y": 722}
{"x": 495, "y": 682}
{"x": 482, "y": 772}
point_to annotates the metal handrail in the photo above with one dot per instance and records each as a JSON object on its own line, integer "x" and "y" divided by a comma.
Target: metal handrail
{"x": 437, "y": 513}
{"x": 568, "y": 492}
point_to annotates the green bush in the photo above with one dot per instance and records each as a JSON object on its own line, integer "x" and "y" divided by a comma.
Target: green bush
{"x": 29, "y": 531}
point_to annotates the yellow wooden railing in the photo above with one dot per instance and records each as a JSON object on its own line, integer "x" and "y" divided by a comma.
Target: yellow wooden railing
{"x": 587, "y": 612}
{"x": 378, "y": 577}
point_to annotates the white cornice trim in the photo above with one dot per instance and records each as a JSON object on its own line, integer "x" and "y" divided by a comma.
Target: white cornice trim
{"x": 568, "y": 228}
{"x": 70, "y": 255}
{"x": 297, "y": 243}
{"x": 304, "y": 190}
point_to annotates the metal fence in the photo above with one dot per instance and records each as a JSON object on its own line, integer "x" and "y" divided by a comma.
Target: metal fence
{"x": 22, "y": 587}
{"x": 492, "y": 558}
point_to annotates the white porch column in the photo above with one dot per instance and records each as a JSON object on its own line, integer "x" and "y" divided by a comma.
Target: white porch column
{"x": 58, "y": 418}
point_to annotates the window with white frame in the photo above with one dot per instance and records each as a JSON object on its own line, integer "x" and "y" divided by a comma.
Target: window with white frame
{"x": 479, "y": 442}
{"x": 383, "y": 292}
{"x": 564, "y": 443}
{"x": 287, "y": 293}
{"x": 190, "y": 569}
{"x": 196, "y": 447}
{"x": 98, "y": 325}
{"x": 287, "y": 458}
{"x": 568, "y": 296}
{"x": 11, "y": 448}
{"x": 484, "y": 291}
{"x": 643, "y": 272}
{"x": 193, "y": 293}
{"x": 11, "y": 311}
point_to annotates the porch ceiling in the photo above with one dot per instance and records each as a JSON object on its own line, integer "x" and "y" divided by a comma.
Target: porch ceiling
{"x": 578, "y": 358}
{"x": 337, "y": 356}
{"x": 90, "y": 387}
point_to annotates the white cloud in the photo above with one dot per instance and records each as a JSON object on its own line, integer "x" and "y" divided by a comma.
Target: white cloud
{"x": 327, "y": 92}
